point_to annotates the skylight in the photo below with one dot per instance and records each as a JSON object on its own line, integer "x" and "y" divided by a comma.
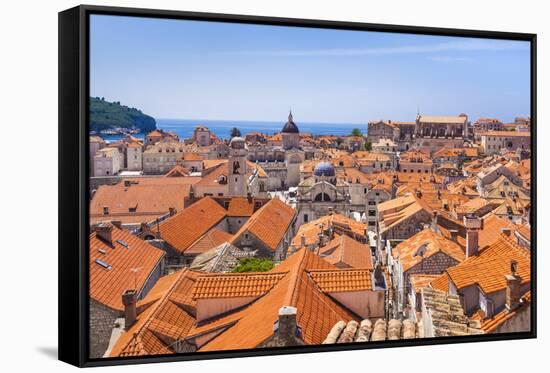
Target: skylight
{"x": 103, "y": 264}
{"x": 123, "y": 243}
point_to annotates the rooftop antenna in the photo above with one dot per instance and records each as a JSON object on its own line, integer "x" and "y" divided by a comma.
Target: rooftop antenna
{"x": 135, "y": 270}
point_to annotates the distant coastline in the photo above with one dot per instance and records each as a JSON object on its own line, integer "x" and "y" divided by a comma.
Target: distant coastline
{"x": 184, "y": 128}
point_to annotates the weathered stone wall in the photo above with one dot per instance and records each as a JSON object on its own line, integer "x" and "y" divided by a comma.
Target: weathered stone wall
{"x": 520, "y": 322}
{"x": 408, "y": 227}
{"x": 234, "y": 223}
{"x": 102, "y": 320}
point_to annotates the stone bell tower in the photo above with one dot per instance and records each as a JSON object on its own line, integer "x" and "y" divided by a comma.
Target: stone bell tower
{"x": 237, "y": 168}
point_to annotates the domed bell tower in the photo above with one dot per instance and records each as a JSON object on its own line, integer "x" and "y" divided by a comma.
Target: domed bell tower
{"x": 237, "y": 168}
{"x": 290, "y": 133}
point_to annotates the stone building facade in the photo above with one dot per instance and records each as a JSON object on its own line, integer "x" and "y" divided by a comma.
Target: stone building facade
{"x": 108, "y": 162}
{"x": 436, "y": 132}
{"x": 495, "y": 141}
{"x": 102, "y": 321}
{"x": 96, "y": 143}
{"x": 280, "y": 162}
{"x": 379, "y": 130}
{"x": 322, "y": 194}
{"x": 160, "y": 158}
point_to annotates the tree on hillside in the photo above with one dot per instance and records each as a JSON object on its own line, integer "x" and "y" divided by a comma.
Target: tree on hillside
{"x": 356, "y": 132}
{"x": 235, "y": 132}
{"x": 368, "y": 146}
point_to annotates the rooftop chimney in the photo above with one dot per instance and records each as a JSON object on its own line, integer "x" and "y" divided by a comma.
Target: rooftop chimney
{"x": 506, "y": 231}
{"x": 434, "y": 221}
{"x": 513, "y": 283}
{"x": 454, "y": 235}
{"x": 105, "y": 232}
{"x": 129, "y": 299}
{"x": 302, "y": 240}
{"x": 321, "y": 236}
{"x": 379, "y": 279}
{"x": 473, "y": 225}
{"x": 287, "y": 322}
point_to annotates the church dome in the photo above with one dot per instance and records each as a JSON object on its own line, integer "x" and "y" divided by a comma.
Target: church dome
{"x": 290, "y": 126}
{"x": 324, "y": 169}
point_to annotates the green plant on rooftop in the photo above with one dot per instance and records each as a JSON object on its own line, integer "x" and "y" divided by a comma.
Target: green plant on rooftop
{"x": 254, "y": 265}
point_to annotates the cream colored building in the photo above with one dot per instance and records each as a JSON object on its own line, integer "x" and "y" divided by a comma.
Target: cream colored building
{"x": 494, "y": 141}
{"x": 96, "y": 143}
{"x": 202, "y": 136}
{"x": 134, "y": 157}
{"x": 108, "y": 162}
{"x": 162, "y": 157}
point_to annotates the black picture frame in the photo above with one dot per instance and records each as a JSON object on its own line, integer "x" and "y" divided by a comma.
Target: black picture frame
{"x": 73, "y": 180}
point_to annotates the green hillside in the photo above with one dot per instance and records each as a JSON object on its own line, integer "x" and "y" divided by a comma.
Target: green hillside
{"x": 110, "y": 115}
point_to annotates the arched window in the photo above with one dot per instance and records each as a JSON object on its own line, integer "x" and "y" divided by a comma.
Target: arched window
{"x": 322, "y": 197}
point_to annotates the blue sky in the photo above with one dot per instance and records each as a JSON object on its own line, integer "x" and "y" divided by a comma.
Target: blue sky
{"x": 204, "y": 70}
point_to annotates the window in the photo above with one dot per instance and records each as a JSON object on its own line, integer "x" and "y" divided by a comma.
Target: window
{"x": 306, "y": 218}
{"x": 105, "y": 210}
{"x": 372, "y": 213}
{"x": 372, "y": 203}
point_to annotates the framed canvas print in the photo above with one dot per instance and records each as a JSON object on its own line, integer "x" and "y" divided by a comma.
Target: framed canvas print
{"x": 233, "y": 186}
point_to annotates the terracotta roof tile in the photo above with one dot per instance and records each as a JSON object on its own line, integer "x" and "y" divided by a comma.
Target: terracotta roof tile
{"x": 345, "y": 251}
{"x": 208, "y": 241}
{"x": 187, "y": 226}
{"x": 339, "y": 223}
{"x": 189, "y": 156}
{"x": 334, "y": 281}
{"x": 240, "y": 206}
{"x": 127, "y": 266}
{"x": 441, "y": 283}
{"x": 231, "y": 285}
{"x": 144, "y": 199}
{"x": 420, "y": 281}
{"x": 489, "y": 267}
{"x": 431, "y": 243}
{"x": 165, "y": 320}
{"x": 177, "y": 171}
{"x": 317, "y": 312}
{"x": 269, "y": 224}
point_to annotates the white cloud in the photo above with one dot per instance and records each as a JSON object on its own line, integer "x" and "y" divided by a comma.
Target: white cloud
{"x": 449, "y": 59}
{"x": 452, "y": 46}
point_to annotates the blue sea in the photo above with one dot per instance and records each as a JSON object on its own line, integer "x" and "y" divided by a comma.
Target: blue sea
{"x": 184, "y": 127}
